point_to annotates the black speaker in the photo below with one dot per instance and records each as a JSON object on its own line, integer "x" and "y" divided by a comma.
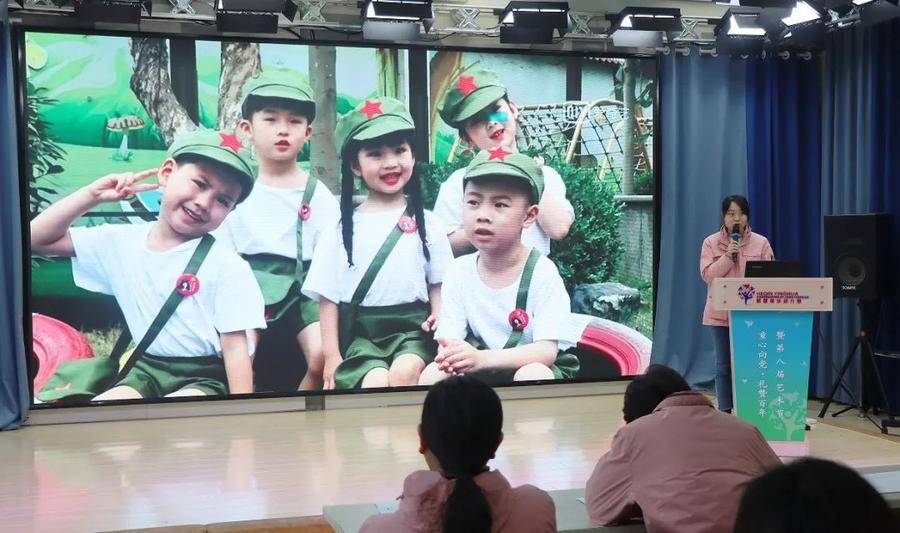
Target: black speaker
{"x": 857, "y": 248}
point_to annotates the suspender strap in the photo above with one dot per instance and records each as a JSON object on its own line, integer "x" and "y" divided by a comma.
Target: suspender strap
{"x": 375, "y": 266}
{"x": 304, "y": 204}
{"x": 168, "y": 309}
{"x": 522, "y": 295}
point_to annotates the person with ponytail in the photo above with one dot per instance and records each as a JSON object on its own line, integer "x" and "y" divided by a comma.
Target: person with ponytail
{"x": 377, "y": 276}
{"x": 461, "y": 429}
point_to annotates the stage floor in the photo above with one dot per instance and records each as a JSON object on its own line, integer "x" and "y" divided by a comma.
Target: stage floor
{"x": 118, "y": 475}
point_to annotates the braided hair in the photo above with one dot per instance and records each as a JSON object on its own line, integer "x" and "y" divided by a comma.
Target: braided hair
{"x": 413, "y": 188}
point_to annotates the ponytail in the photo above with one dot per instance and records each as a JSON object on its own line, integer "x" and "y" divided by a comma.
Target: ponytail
{"x": 347, "y": 206}
{"x": 414, "y": 197}
{"x": 467, "y": 510}
{"x": 462, "y": 424}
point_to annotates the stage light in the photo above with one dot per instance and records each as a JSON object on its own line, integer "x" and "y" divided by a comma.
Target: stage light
{"x": 116, "y": 11}
{"x": 398, "y": 9}
{"x": 758, "y": 3}
{"x": 395, "y": 20}
{"x": 803, "y": 28}
{"x": 877, "y": 11}
{"x": 643, "y": 27}
{"x": 251, "y": 16}
{"x": 533, "y": 22}
{"x": 740, "y": 33}
{"x": 803, "y": 13}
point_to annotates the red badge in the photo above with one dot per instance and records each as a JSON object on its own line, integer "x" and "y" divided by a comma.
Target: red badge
{"x": 518, "y": 319}
{"x": 305, "y": 211}
{"x": 187, "y": 285}
{"x": 407, "y": 224}
{"x": 499, "y": 153}
{"x": 230, "y": 140}
{"x": 371, "y": 109}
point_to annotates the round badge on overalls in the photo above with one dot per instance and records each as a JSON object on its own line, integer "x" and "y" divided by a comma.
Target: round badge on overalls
{"x": 305, "y": 211}
{"x": 518, "y": 319}
{"x": 187, "y": 285}
{"x": 407, "y": 224}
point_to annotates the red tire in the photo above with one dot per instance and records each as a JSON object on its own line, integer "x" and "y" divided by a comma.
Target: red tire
{"x": 53, "y": 343}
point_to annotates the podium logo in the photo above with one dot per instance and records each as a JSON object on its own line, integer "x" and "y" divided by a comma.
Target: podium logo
{"x": 746, "y": 291}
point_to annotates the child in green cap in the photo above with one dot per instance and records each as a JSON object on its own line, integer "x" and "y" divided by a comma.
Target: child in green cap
{"x": 377, "y": 279}
{"x": 478, "y": 106}
{"x": 505, "y": 310}
{"x": 283, "y": 219}
{"x": 202, "y": 348}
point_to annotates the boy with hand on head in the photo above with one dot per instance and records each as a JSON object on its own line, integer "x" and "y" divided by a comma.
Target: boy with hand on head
{"x": 277, "y": 229}
{"x": 478, "y": 106}
{"x": 202, "y": 347}
{"x": 504, "y": 308}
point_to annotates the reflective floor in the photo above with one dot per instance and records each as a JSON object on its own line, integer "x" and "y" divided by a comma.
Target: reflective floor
{"x": 114, "y": 475}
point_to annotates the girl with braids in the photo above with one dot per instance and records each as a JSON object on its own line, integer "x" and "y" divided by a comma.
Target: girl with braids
{"x": 377, "y": 277}
{"x": 460, "y": 432}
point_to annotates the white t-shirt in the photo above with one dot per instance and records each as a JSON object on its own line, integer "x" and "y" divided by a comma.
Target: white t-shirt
{"x": 402, "y": 278}
{"x": 114, "y": 259}
{"x": 266, "y": 222}
{"x": 449, "y": 204}
{"x": 467, "y": 304}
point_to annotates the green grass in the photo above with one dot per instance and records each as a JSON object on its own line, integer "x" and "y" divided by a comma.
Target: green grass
{"x": 103, "y": 340}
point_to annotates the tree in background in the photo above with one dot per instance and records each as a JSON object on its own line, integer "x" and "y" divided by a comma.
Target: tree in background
{"x": 152, "y": 84}
{"x": 323, "y": 157}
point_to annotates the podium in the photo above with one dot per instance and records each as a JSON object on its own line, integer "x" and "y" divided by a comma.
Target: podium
{"x": 771, "y": 324}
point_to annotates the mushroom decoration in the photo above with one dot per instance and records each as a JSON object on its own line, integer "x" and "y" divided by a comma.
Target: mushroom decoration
{"x": 124, "y": 125}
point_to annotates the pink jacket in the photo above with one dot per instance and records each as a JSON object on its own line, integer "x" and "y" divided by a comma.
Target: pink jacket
{"x": 684, "y": 467}
{"x": 716, "y": 263}
{"x": 522, "y": 509}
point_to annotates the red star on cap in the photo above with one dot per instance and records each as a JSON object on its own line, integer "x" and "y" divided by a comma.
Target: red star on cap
{"x": 466, "y": 85}
{"x": 499, "y": 153}
{"x": 372, "y": 109}
{"x": 230, "y": 140}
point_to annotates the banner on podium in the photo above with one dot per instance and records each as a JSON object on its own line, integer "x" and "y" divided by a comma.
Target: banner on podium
{"x": 770, "y": 358}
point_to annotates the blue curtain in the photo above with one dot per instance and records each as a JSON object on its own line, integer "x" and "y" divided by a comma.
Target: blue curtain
{"x": 784, "y": 163}
{"x": 704, "y": 159}
{"x": 885, "y": 180}
{"x": 14, "y": 395}
{"x": 846, "y": 169}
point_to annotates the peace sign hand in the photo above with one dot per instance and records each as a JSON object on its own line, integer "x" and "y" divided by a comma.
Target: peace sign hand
{"x": 115, "y": 187}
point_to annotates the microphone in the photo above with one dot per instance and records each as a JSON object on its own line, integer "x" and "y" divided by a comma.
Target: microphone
{"x": 736, "y": 237}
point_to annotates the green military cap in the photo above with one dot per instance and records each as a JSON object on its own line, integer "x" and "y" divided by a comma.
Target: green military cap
{"x": 223, "y": 148}
{"x": 374, "y": 117}
{"x": 281, "y": 89}
{"x": 471, "y": 92}
{"x": 499, "y": 163}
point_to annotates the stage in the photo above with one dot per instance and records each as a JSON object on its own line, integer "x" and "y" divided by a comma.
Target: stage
{"x": 147, "y": 473}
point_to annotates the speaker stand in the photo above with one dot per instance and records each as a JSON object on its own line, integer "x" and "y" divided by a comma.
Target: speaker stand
{"x": 867, "y": 356}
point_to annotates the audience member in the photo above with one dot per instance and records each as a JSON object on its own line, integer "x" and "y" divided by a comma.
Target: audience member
{"x": 813, "y": 496}
{"x": 678, "y": 462}
{"x": 460, "y": 432}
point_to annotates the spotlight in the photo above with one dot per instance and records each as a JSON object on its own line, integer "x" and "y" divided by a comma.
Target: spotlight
{"x": 876, "y": 11}
{"x": 533, "y": 22}
{"x": 643, "y": 27}
{"x": 395, "y": 20}
{"x": 251, "y": 16}
{"x": 116, "y": 11}
{"x": 758, "y": 3}
{"x": 803, "y": 28}
{"x": 740, "y": 33}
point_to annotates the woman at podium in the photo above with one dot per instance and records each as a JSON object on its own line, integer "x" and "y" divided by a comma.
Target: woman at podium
{"x": 725, "y": 254}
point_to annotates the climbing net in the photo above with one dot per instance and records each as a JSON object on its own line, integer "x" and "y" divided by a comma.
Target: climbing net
{"x": 586, "y": 134}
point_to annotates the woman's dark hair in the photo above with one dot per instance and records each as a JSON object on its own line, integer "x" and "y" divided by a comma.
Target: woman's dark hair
{"x": 413, "y": 188}
{"x": 645, "y": 392}
{"x": 462, "y": 421}
{"x": 813, "y": 496}
{"x": 740, "y": 201}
